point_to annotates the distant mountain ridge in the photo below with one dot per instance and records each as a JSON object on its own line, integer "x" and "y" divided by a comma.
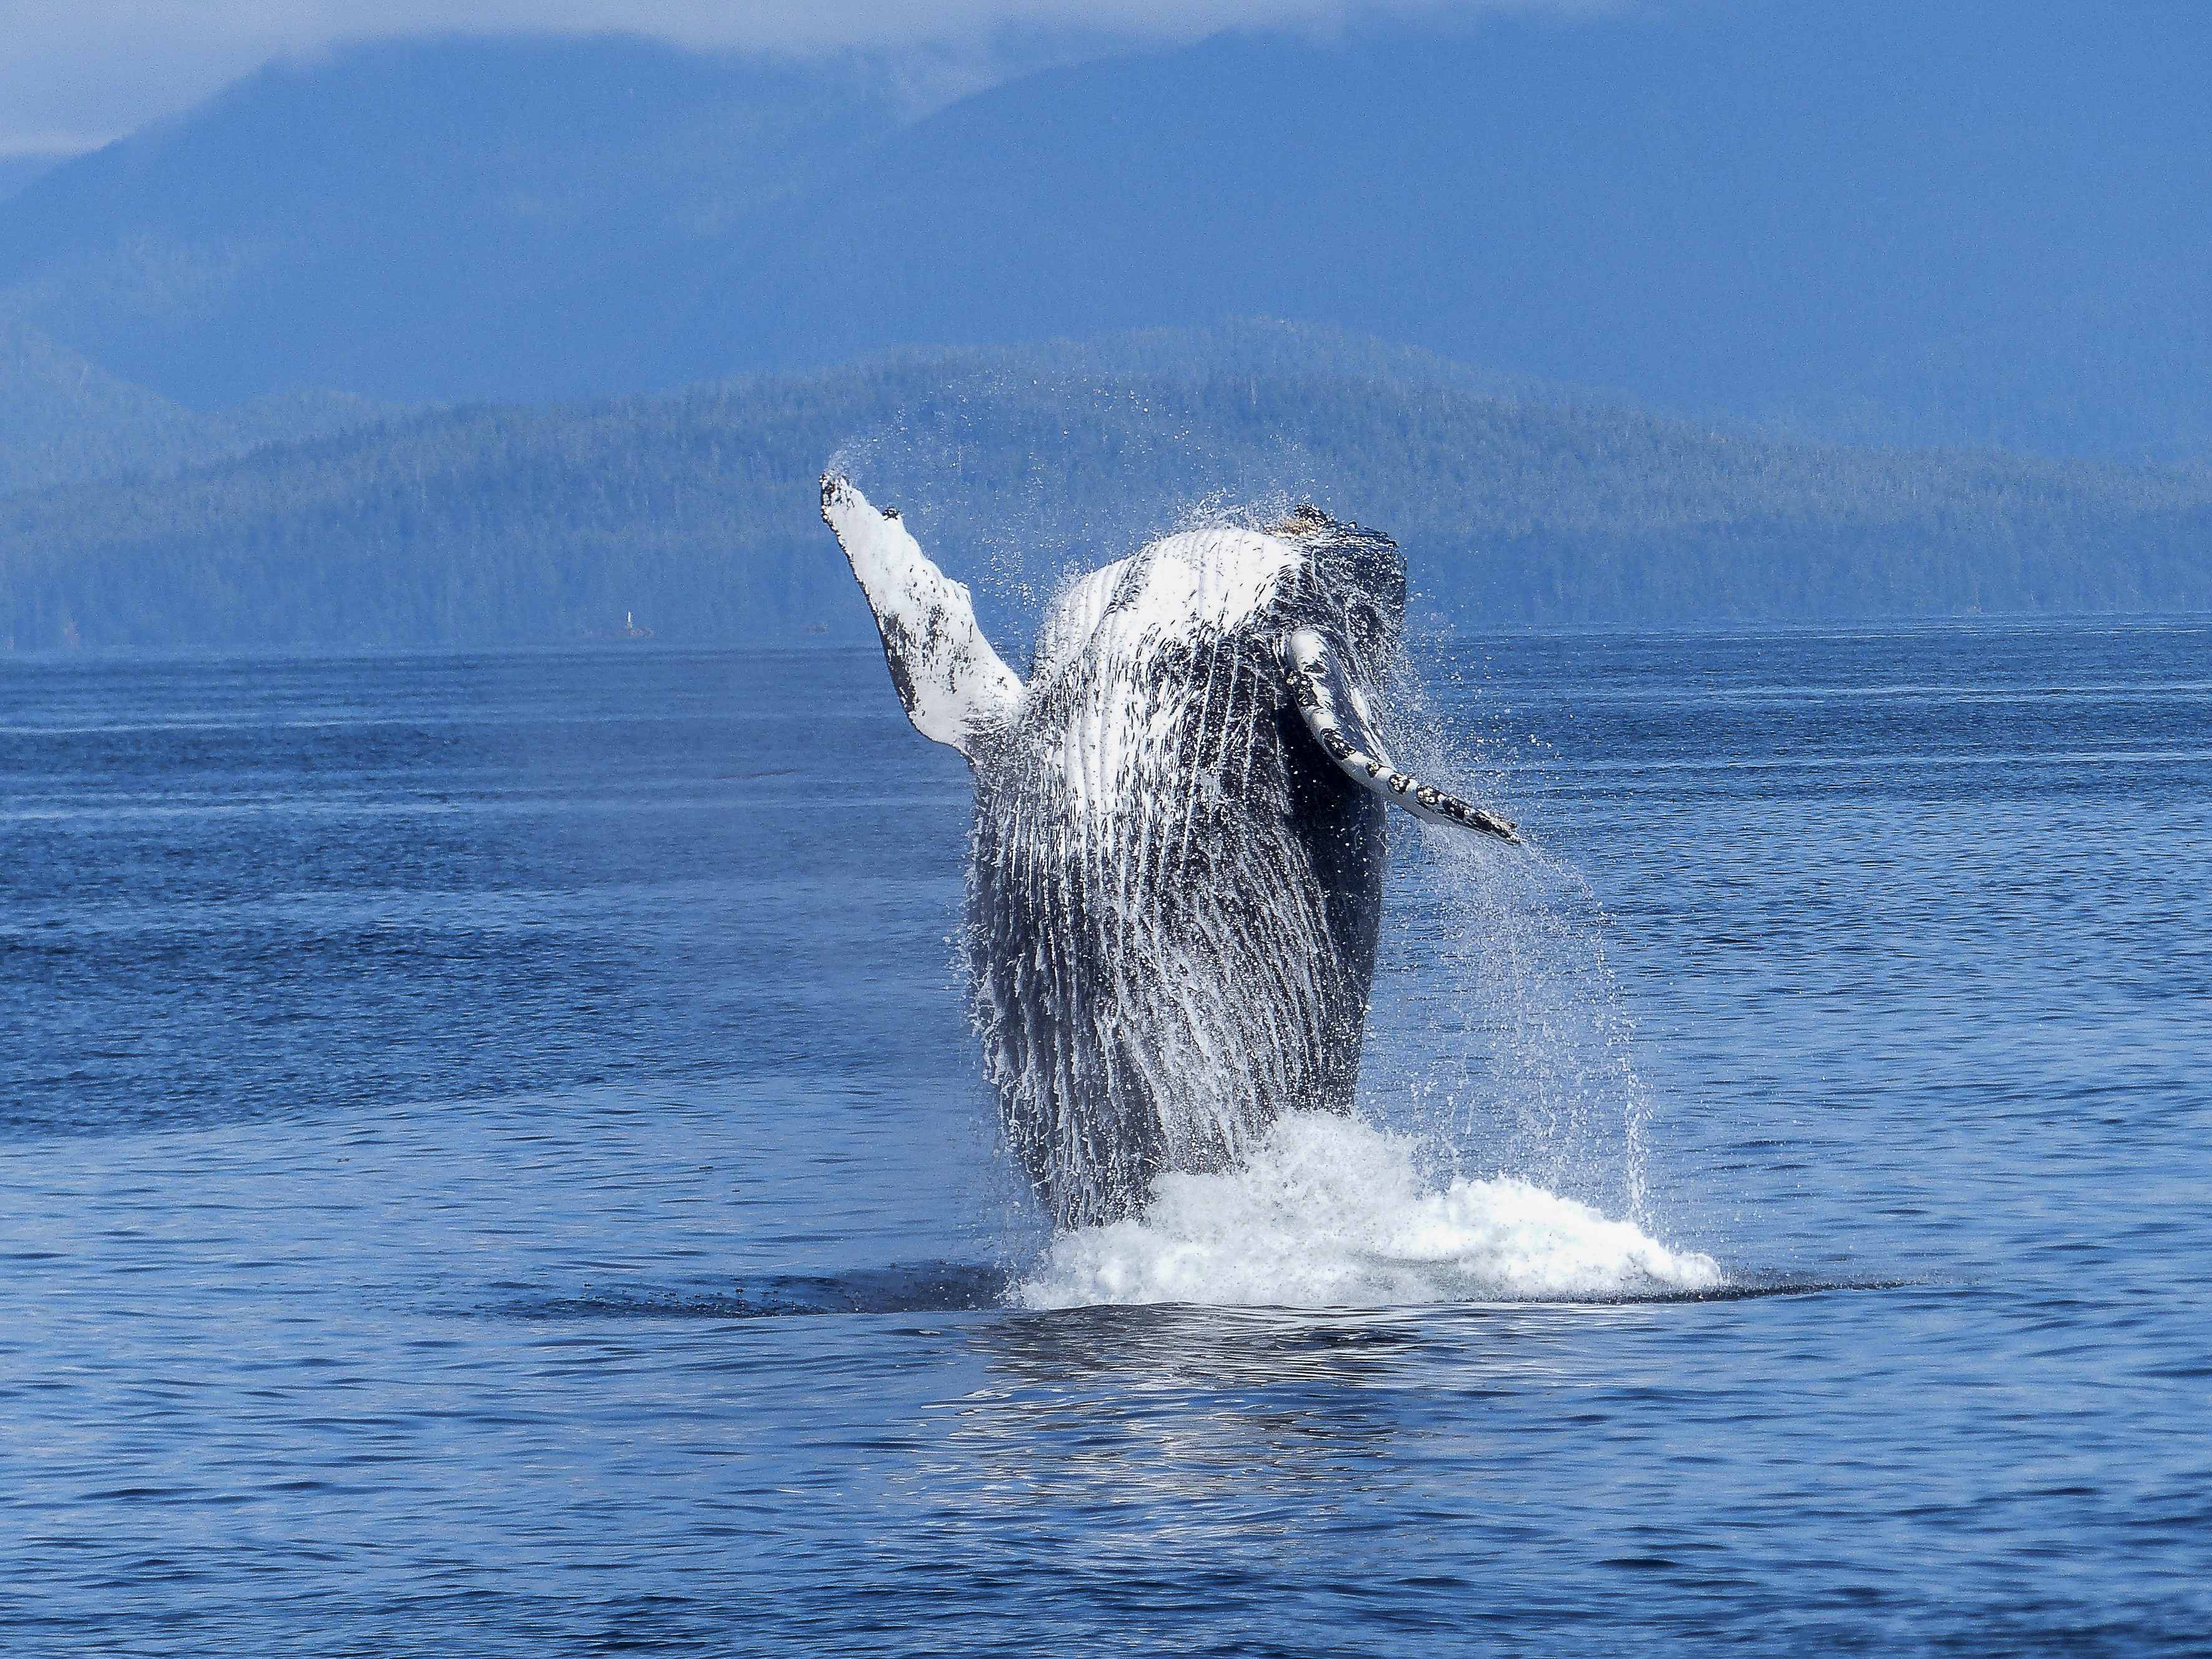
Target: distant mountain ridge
{"x": 17, "y": 171}
{"x": 421, "y": 221}
{"x": 1923, "y": 222}
{"x": 699, "y": 512}
{"x": 65, "y": 421}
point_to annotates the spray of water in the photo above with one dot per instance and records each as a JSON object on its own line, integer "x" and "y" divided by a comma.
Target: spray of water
{"x": 1501, "y": 1036}
{"x": 1499, "y": 1039}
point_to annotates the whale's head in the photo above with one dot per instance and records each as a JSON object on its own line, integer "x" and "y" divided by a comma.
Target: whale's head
{"x": 1314, "y": 603}
{"x": 1351, "y": 593}
{"x": 1346, "y": 583}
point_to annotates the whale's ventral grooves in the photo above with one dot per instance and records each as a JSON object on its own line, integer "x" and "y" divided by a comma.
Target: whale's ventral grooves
{"x": 1174, "y": 873}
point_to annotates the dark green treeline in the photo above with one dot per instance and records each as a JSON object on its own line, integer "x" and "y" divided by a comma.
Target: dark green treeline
{"x": 697, "y": 512}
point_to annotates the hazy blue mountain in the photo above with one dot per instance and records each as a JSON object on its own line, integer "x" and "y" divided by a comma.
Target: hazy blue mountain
{"x": 1917, "y": 221}
{"x": 17, "y": 171}
{"x": 426, "y": 220}
{"x": 64, "y": 420}
{"x": 1935, "y": 206}
{"x": 1271, "y": 346}
{"x": 699, "y": 512}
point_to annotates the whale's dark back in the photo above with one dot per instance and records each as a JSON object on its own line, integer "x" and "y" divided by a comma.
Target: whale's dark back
{"x": 1174, "y": 899}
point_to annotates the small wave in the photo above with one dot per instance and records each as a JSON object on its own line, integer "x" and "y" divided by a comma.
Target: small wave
{"x": 1330, "y": 1213}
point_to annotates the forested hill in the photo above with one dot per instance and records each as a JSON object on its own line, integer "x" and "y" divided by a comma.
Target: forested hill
{"x": 64, "y": 420}
{"x": 698, "y": 511}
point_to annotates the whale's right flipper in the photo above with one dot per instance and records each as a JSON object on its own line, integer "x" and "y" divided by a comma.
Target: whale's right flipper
{"x": 1334, "y": 714}
{"x": 954, "y": 687}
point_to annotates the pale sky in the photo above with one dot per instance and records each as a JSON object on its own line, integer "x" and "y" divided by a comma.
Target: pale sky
{"x": 75, "y": 73}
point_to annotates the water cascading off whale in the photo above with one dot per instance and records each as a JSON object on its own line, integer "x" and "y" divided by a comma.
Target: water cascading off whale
{"x": 1174, "y": 877}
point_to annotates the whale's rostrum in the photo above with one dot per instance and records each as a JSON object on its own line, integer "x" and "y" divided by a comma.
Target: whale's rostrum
{"x": 1175, "y": 865}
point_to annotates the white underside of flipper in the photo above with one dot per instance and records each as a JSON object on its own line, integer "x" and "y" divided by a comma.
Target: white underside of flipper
{"x": 1337, "y": 716}
{"x": 956, "y": 689}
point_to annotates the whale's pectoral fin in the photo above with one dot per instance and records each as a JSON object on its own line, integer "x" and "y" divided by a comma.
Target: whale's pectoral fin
{"x": 1337, "y": 716}
{"x": 954, "y": 687}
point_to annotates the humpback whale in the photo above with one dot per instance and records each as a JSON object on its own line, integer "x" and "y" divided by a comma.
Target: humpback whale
{"x": 1174, "y": 872}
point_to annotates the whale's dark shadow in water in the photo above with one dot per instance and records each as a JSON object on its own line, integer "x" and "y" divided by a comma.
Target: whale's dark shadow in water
{"x": 1087, "y": 1337}
{"x": 1175, "y": 868}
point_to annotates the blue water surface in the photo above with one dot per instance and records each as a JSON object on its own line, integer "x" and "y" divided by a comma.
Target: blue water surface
{"x": 493, "y": 1164}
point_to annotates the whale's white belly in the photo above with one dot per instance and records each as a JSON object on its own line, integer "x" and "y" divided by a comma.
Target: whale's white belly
{"x": 1117, "y": 718}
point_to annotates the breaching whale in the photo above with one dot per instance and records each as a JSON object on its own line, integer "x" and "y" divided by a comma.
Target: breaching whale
{"x": 1174, "y": 872}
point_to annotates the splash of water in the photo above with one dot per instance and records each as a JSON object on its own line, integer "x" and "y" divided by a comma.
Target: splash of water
{"x": 1500, "y": 1036}
{"x": 1330, "y": 1212}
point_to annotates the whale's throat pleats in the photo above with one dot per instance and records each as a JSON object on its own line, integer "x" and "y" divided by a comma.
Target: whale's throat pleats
{"x": 1173, "y": 913}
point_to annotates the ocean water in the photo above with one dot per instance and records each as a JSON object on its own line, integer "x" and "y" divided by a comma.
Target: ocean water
{"x": 493, "y": 1164}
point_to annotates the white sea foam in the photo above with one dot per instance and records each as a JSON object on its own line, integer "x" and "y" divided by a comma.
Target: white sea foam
{"x": 1330, "y": 1213}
